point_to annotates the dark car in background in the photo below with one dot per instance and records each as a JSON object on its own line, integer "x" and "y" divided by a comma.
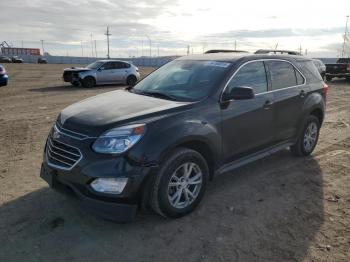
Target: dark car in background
{"x": 321, "y": 67}
{"x": 5, "y": 59}
{"x": 3, "y": 76}
{"x": 16, "y": 59}
{"x": 158, "y": 143}
{"x": 340, "y": 69}
{"x": 42, "y": 60}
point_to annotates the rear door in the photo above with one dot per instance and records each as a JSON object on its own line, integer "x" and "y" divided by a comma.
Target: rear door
{"x": 289, "y": 91}
{"x": 247, "y": 124}
{"x": 120, "y": 72}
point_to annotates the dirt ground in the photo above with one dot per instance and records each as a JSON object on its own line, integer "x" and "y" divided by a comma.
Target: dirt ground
{"x": 281, "y": 208}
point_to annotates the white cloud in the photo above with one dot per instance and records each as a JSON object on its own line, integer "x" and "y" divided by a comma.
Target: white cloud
{"x": 173, "y": 24}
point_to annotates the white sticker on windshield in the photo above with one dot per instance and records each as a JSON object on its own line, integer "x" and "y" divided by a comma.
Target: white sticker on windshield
{"x": 219, "y": 64}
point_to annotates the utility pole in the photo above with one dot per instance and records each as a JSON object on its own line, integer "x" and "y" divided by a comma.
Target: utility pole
{"x": 150, "y": 46}
{"x": 95, "y": 49}
{"x": 158, "y": 50}
{"x": 92, "y": 46}
{"x": 82, "y": 49}
{"x": 42, "y": 46}
{"x": 235, "y": 45}
{"x": 108, "y": 34}
{"x": 142, "y": 48}
{"x": 188, "y": 49}
{"x": 300, "y": 49}
{"x": 345, "y": 33}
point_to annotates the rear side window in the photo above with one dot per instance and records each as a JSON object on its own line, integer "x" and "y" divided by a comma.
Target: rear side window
{"x": 310, "y": 71}
{"x": 250, "y": 75}
{"x": 283, "y": 75}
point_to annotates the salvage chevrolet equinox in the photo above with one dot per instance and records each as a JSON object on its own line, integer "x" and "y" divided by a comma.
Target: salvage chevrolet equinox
{"x": 157, "y": 144}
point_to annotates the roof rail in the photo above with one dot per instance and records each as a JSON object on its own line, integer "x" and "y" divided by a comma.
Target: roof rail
{"x": 215, "y": 51}
{"x": 276, "y": 51}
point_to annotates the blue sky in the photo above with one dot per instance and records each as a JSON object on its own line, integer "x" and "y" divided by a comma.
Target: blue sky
{"x": 174, "y": 24}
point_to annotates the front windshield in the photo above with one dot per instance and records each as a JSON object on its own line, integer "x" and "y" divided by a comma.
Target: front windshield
{"x": 183, "y": 80}
{"x": 95, "y": 65}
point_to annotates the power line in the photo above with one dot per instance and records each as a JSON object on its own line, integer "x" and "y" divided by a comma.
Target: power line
{"x": 92, "y": 46}
{"x": 108, "y": 34}
{"x": 42, "y": 46}
{"x": 82, "y": 49}
{"x": 346, "y": 31}
{"x": 95, "y": 49}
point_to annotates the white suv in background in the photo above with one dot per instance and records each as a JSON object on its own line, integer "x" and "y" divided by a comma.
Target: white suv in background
{"x": 103, "y": 72}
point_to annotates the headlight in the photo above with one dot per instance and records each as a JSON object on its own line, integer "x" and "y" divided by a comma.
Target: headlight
{"x": 119, "y": 140}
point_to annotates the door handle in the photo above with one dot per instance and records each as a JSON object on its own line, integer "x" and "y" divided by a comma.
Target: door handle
{"x": 268, "y": 104}
{"x": 302, "y": 93}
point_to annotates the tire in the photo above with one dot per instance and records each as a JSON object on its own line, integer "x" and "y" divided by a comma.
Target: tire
{"x": 172, "y": 171}
{"x": 328, "y": 78}
{"x": 306, "y": 144}
{"x": 88, "y": 82}
{"x": 347, "y": 78}
{"x": 131, "y": 80}
{"x": 75, "y": 83}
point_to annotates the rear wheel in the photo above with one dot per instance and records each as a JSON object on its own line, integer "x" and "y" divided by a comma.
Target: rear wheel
{"x": 307, "y": 140}
{"x": 88, "y": 82}
{"x": 180, "y": 183}
{"x": 131, "y": 80}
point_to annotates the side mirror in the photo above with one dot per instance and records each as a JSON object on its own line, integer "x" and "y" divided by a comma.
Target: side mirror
{"x": 239, "y": 93}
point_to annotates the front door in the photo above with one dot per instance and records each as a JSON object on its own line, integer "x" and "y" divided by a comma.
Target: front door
{"x": 106, "y": 73}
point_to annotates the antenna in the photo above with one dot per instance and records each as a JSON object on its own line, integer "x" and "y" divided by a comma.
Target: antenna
{"x": 108, "y": 34}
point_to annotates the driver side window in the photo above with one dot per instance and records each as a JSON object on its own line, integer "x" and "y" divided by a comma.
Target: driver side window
{"x": 250, "y": 75}
{"x": 108, "y": 66}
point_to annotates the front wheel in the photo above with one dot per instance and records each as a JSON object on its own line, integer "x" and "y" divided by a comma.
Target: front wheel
{"x": 307, "y": 140}
{"x": 88, "y": 82}
{"x": 180, "y": 184}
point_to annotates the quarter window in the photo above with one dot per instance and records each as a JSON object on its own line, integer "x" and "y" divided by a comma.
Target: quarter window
{"x": 250, "y": 75}
{"x": 282, "y": 74}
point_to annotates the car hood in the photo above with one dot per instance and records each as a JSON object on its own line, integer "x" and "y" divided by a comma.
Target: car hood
{"x": 97, "y": 114}
{"x": 76, "y": 69}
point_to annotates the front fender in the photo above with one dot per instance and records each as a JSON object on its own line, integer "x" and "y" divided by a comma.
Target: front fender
{"x": 165, "y": 135}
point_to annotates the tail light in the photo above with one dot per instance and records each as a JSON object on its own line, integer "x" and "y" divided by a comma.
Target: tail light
{"x": 325, "y": 88}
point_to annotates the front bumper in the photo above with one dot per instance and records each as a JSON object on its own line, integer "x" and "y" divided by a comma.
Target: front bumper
{"x": 338, "y": 74}
{"x": 122, "y": 207}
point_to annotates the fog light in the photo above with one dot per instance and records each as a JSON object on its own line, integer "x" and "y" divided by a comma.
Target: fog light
{"x": 109, "y": 185}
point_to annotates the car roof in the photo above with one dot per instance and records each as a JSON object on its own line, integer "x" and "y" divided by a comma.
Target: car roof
{"x": 234, "y": 57}
{"x": 112, "y": 60}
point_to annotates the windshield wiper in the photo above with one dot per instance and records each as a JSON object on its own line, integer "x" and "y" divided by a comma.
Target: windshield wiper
{"x": 157, "y": 95}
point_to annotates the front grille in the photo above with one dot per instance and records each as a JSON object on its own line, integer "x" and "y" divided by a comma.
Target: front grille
{"x": 67, "y": 76}
{"x": 61, "y": 155}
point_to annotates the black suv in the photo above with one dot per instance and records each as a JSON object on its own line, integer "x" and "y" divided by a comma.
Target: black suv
{"x": 159, "y": 143}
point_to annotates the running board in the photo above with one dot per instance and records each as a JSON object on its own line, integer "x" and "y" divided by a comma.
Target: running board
{"x": 251, "y": 158}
